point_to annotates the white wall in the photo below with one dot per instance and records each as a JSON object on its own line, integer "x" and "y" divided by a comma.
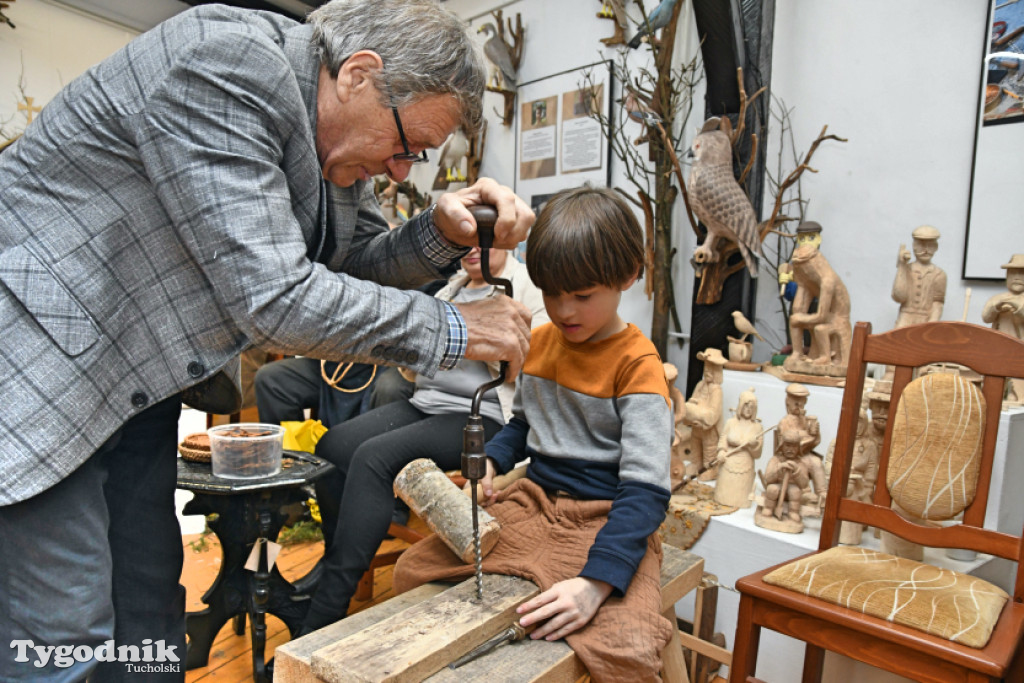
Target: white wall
{"x": 55, "y": 44}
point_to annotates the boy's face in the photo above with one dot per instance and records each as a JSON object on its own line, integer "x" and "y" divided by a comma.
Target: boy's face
{"x": 586, "y": 315}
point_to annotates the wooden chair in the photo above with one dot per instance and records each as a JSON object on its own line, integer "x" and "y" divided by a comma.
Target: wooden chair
{"x": 847, "y": 630}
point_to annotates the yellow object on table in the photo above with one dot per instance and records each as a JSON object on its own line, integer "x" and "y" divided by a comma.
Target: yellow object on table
{"x": 302, "y": 436}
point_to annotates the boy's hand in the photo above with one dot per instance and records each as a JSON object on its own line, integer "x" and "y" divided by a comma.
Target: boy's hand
{"x": 567, "y": 606}
{"x": 487, "y": 484}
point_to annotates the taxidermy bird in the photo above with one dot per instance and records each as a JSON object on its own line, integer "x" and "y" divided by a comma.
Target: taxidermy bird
{"x": 498, "y": 52}
{"x": 614, "y": 9}
{"x": 658, "y": 18}
{"x": 638, "y": 107}
{"x": 745, "y": 326}
{"x": 450, "y": 164}
{"x": 718, "y": 200}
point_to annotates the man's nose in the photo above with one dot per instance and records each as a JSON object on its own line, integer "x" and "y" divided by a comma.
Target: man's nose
{"x": 398, "y": 170}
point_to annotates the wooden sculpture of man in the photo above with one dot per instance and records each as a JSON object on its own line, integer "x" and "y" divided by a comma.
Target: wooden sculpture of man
{"x": 829, "y": 326}
{"x": 807, "y": 433}
{"x": 920, "y": 285}
{"x": 1005, "y": 312}
{"x": 703, "y": 413}
{"x": 784, "y": 480}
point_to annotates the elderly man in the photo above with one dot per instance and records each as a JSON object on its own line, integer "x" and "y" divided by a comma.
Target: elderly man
{"x": 166, "y": 211}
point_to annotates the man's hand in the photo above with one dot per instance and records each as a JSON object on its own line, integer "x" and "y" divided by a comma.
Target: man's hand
{"x": 499, "y": 329}
{"x": 567, "y": 606}
{"x": 456, "y": 224}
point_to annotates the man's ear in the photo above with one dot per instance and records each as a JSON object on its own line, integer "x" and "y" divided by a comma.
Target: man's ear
{"x": 357, "y": 73}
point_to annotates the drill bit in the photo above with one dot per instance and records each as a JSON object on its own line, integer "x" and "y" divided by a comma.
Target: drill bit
{"x": 474, "y": 460}
{"x": 510, "y": 635}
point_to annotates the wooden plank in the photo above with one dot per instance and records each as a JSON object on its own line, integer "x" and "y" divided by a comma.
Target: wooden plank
{"x": 528, "y": 660}
{"x": 524, "y": 661}
{"x": 706, "y": 629}
{"x": 681, "y": 572}
{"x": 292, "y": 660}
{"x": 422, "y": 639}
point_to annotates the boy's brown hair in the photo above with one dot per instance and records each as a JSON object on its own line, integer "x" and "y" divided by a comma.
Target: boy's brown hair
{"x": 584, "y": 237}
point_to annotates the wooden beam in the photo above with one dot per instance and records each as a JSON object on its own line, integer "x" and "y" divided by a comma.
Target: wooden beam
{"x": 424, "y": 638}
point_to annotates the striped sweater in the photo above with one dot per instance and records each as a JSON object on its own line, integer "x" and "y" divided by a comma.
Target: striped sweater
{"x": 596, "y": 422}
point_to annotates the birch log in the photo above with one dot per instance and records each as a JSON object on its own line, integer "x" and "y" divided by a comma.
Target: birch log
{"x": 441, "y": 505}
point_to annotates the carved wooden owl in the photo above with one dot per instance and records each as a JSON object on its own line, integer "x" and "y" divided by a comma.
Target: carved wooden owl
{"x": 718, "y": 200}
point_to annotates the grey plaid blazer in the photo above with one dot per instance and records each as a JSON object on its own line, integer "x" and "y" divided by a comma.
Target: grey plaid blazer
{"x": 163, "y": 213}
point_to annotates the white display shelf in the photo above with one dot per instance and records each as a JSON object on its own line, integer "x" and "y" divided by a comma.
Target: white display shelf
{"x": 733, "y": 546}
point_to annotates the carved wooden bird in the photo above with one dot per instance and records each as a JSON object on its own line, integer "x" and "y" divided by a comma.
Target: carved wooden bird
{"x": 498, "y": 52}
{"x": 745, "y": 326}
{"x": 718, "y": 200}
{"x": 658, "y": 18}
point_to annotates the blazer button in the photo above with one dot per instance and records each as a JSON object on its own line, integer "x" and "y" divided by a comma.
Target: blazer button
{"x": 378, "y": 351}
{"x": 196, "y": 369}
{"x": 139, "y": 399}
{"x": 412, "y": 356}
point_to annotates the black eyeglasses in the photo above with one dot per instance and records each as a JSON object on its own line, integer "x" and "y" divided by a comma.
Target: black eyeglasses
{"x": 420, "y": 158}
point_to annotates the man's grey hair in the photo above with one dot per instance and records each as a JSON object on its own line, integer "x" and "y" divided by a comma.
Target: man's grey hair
{"x": 425, "y": 48}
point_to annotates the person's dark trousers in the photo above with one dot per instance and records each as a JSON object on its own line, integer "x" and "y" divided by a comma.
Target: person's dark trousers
{"x": 286, "y": 388}
{"x": 389, "y": 387}
{"x": 357, "y": 499}
{"x": 98, "y": 557}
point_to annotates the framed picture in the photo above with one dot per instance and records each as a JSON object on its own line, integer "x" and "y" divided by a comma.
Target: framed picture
{"x": 993, "y": 225}
{"x": 559, "y": 143}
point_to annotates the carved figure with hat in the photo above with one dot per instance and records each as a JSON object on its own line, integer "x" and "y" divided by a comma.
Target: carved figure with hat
{"x": 784, "y": 480}
{"x": 704, "y": 412}
{"x": 920, "y": 286}
{"x": 1005, "y": 312}
{"x": 829, "y": 326}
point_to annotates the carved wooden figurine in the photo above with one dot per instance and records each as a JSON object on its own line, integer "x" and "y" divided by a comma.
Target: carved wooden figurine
{"x": 1005, "y": 312}
{"x": 784, "y": 481}
{"x": 680, "y": 445}
{"x": 864, "y": 465}
{"x": 704, "y": 412}
{"x": 740, "y": 349}
{"x": 808, "y": 433}
{"x": 920, "y": 286}
{"x": 718, "y": 201}
{"x": 740, "y": 445}
{"x": 829, "y": 326}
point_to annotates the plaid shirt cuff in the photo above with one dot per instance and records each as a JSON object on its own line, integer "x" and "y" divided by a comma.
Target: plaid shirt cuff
{"x": 458, "y": 336}
{"x": 438, "y": 250}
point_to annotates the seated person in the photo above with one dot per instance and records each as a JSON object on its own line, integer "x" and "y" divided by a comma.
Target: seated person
{"x": 285, "y": 389}
{"x": 357, "y": 498}
{"x": 592, "y": 412}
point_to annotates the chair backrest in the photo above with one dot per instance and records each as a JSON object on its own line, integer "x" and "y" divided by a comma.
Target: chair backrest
{"x": 939, "y": 440}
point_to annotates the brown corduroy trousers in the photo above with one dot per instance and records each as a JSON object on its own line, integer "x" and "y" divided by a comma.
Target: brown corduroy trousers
{"x": 545, "y": 539}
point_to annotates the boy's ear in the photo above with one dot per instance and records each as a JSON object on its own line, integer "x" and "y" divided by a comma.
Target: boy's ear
{"x": 631, "y": 280}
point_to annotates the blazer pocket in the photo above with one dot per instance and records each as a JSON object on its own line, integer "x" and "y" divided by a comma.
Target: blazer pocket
{"x": 48, "y": 302}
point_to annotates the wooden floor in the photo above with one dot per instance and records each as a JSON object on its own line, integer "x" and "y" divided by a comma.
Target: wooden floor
{"x": 231, "y": 655}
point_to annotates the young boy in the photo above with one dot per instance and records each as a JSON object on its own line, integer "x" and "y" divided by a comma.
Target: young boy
{"x": 592, "y": 413}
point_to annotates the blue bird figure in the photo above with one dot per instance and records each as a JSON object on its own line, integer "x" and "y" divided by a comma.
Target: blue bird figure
{"x": 657, "y": 19}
